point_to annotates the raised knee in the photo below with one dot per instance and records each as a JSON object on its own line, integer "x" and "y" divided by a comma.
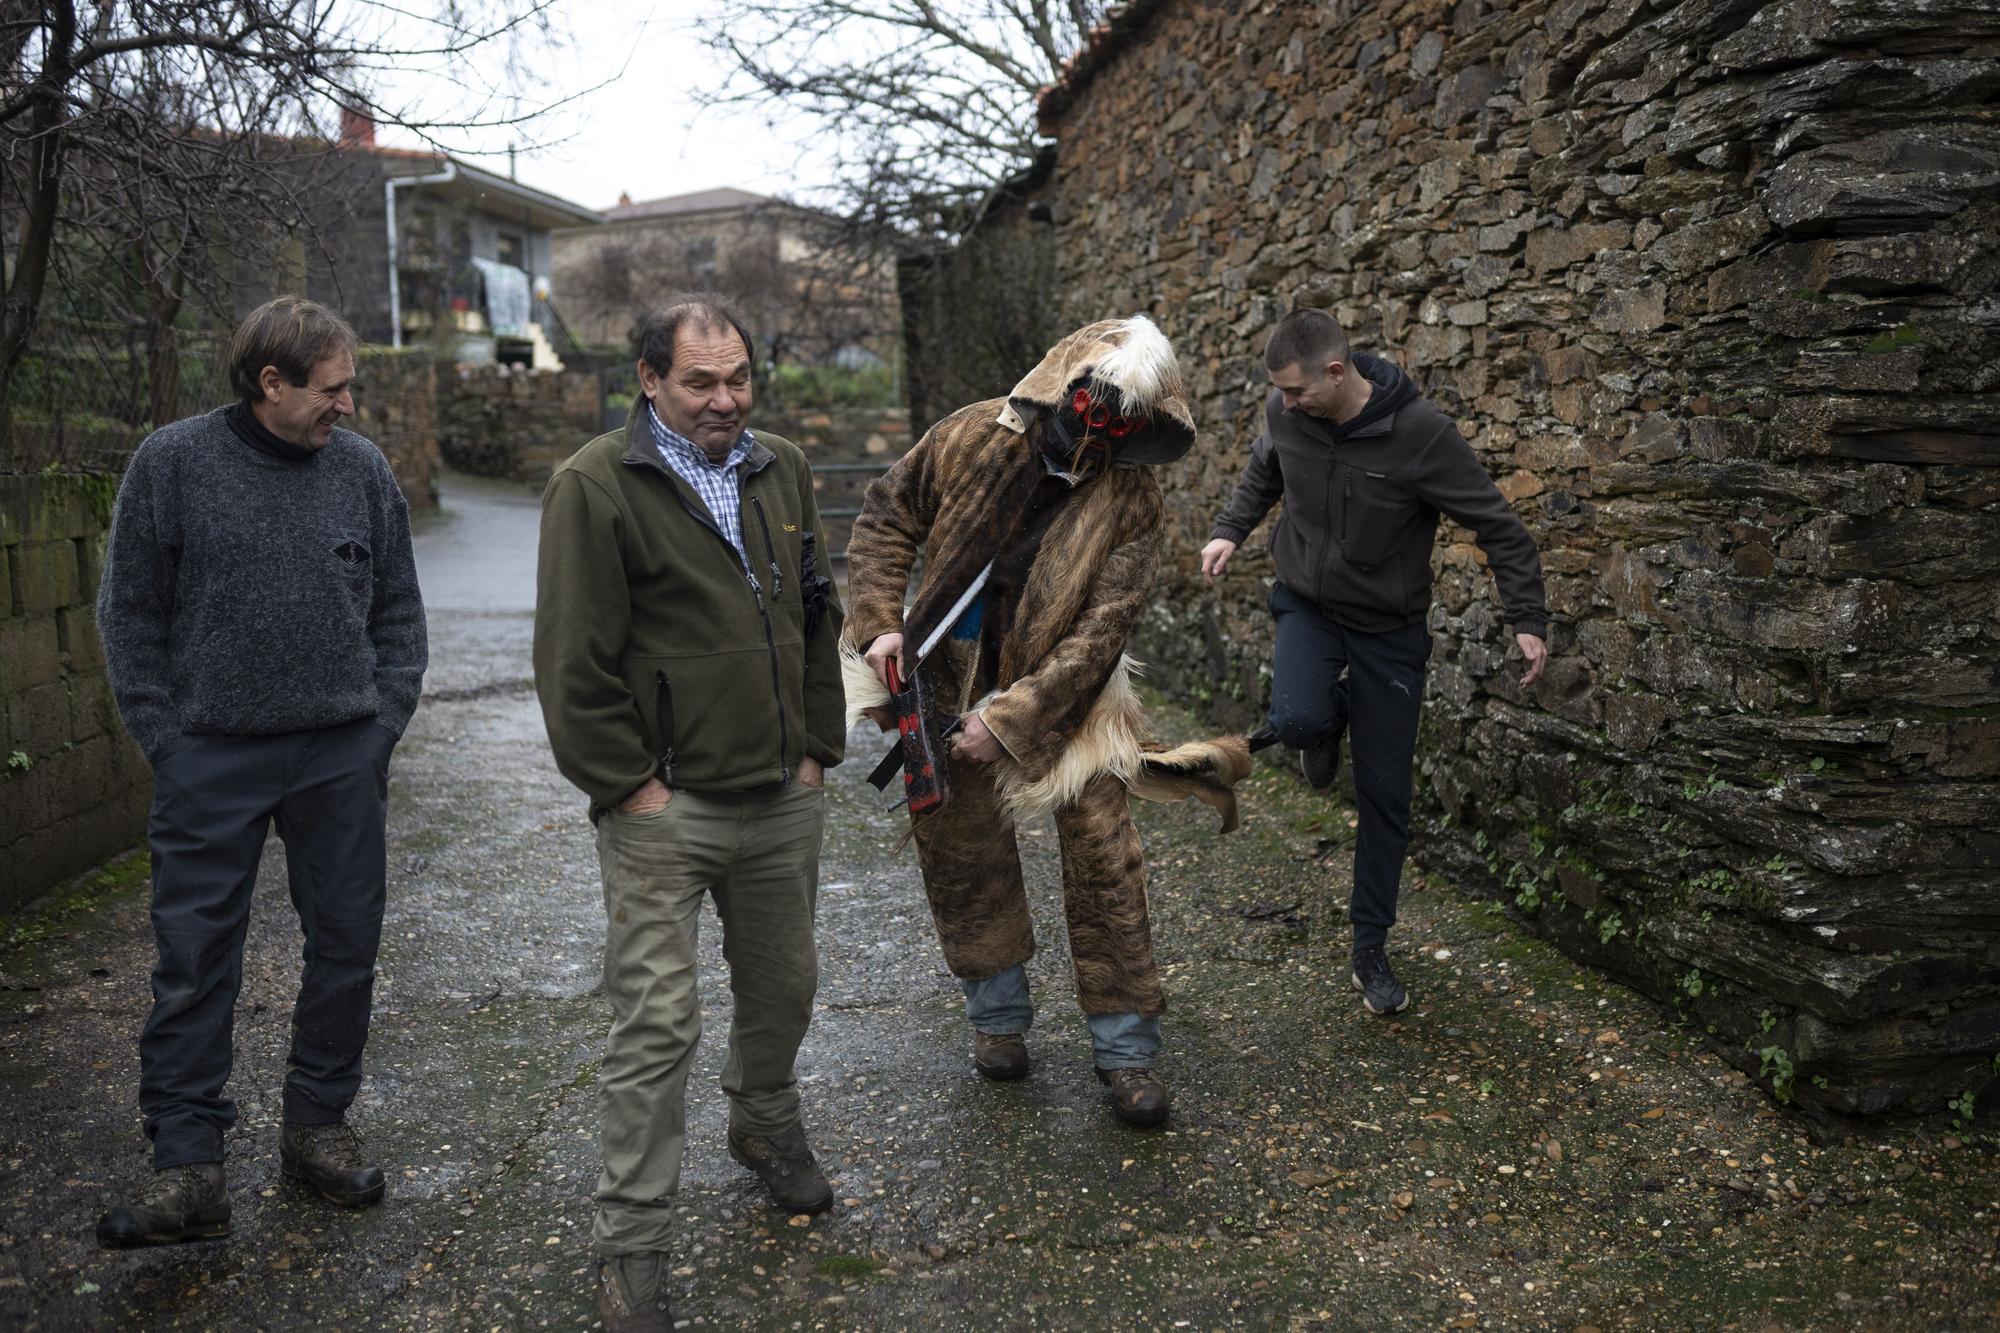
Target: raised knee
{"x": 1296, "y": 730}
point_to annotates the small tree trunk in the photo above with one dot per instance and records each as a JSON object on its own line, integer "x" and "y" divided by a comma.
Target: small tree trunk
{"x": 23, "y": 301}
{"x": 163, "y": 350}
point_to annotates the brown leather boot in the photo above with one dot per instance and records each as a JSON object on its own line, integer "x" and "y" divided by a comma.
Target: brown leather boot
{"x": 632, "y": 1294}
{"x": 1000, "y": 1055}
{"x": 786, "y": 1166}
{"x": 180, "y": 1203}
{"x": 329, "y": 1158}
{"x": 1138, "y": 1096}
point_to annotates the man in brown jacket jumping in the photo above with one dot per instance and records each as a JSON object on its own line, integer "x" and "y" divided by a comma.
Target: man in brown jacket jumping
{"x": 1040, "y": 520}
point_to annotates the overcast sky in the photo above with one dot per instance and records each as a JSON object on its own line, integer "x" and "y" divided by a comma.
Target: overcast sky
{"x": 641, "y": 132}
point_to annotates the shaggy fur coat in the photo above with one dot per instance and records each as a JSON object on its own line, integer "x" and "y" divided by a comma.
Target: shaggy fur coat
{"x": 1062, "y": 702}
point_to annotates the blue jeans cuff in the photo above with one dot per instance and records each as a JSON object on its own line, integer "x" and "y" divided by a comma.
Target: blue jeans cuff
{"x": 999, "y": 1005}
{"x": 1124, "y": 1041}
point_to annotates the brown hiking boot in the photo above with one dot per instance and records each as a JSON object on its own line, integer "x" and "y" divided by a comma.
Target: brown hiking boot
{"x": 1138, "y": 1096}
{"x": 180, "y": 1203}
{"x": 329, "y": 1158}
{"x": 786, "y": 1166}
{"x": 632, "y": 1294}
{"x": 1000, "y": 1056}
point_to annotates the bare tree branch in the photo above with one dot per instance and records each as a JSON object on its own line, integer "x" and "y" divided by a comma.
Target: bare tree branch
{"x": 926, "y": 106}
{"x": 154, "y": 152}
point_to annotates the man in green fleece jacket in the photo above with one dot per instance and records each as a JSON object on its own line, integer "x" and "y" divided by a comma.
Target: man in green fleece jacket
{"x": 1365, "y": 466}
{"x": 686, "y": 658}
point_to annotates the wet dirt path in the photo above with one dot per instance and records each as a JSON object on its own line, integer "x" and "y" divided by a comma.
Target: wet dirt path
{"x": 1527, "y": 1147}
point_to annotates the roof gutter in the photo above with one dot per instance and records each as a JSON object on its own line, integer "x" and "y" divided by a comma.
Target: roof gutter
{"x": 445, "y": 177}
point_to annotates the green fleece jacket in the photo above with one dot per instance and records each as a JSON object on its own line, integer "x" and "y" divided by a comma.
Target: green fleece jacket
{"x": 655, "y": 654}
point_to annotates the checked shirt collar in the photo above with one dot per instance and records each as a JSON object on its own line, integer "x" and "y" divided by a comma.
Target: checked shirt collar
{"x": 718, "y": 484}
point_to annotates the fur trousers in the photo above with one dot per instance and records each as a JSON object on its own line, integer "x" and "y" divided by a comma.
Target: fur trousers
{"x": 972, "y": 876}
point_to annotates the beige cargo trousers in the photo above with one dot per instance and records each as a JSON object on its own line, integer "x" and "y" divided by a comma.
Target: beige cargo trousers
{"x": 756, "y": 854}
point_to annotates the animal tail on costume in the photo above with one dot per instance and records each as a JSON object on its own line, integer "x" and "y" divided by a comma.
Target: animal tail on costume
{"x": 1206, "y": 770}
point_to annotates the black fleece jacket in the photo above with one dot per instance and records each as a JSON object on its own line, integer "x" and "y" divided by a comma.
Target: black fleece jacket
{"x": 1362, "y": 500}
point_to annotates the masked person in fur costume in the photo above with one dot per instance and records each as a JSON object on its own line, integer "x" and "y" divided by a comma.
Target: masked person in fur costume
{"x": 1039, "y": 517}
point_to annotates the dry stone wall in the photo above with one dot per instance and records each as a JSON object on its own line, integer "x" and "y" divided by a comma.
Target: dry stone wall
{"x": 397, "y": 408}
{"x": 497, "y": 421}
{"x": 1710, "y": 287}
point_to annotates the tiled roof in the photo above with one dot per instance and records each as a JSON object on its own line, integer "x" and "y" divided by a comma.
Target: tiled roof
{"x": 700, "y": 201}
{"x": 405, "y": 154}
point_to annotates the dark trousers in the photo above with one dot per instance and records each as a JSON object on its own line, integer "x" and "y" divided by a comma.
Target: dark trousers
{"x": 213, "y": 799}
{"x": 1378, "y": 703}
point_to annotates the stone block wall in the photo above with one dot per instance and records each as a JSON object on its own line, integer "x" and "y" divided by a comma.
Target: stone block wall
{"x": 841, "y": 434}
{"x": 848, "y": 447}
{"x": 1710, "y": 287}
{"x": 74, "y": 789}
{"x": 495, "y": 421}
{"x": 397, "y": 408}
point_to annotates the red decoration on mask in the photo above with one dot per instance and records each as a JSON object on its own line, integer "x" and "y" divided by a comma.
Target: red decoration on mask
{"x": 1100, "y": 416}
{"x": 1080, "y": 401}
{"x": 1120, "y": 428}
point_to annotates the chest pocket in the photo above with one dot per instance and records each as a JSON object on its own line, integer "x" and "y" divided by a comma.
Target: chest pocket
{"x": 349, "y": 551}
{"x": 1375, "y": 509}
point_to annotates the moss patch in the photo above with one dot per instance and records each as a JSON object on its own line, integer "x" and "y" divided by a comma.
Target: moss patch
{"x": 61, "y": 912}
{"x": 1903, "y": 335}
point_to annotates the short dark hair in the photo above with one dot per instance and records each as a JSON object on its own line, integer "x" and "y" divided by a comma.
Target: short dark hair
{"x": 291, "y": 333}
{"x": 1307, "y": 338}
{"x": 706, "y": 311}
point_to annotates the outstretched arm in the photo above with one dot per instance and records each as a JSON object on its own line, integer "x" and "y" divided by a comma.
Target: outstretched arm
{"x": 1449, "y": 478}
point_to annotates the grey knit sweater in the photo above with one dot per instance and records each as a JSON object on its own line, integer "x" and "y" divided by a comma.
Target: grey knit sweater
{"x": 246, "y": 594}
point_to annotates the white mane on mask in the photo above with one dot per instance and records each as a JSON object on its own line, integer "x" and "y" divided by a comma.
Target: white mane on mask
{"x": 1142, "y": 368}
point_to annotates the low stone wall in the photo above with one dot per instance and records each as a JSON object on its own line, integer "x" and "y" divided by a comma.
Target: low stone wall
{"x": 74, "y": 789}
{"x": 494, "y": 421}
{"x": 848, "y": 448}
{"x": 841, "y": 434}
{"x": 397, "y": 408}
{"x": 1708, "y": 285}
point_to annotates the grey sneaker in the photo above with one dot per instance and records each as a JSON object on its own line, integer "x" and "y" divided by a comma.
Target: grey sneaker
{"x": 632, "y": 1294}
{"x": 786, "y": 1166}
{"x": 1380, "y": 990}
{"x": 179, "y": 1204}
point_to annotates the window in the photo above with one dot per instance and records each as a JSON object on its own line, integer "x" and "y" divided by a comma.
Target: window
{"x": 512, "y": 250}
{"x": 701, "y": 260}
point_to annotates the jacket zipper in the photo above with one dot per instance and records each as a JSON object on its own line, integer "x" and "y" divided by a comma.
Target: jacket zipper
{"x": 756, "y": 591}
{"x": 777, "y": 591}
{"x": 771, "y": 639}
{"x": 770, "y": 550}
{"x": 777, "y": 686}
{"x": 1319, "y": 573}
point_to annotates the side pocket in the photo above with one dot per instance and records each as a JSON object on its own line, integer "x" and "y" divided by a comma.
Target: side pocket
{"x": 167, "y": 751}
{"x": 663, "y": 721}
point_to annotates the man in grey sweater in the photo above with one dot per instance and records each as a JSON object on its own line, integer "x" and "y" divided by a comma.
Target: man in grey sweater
{"x": 265, "y": 635}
